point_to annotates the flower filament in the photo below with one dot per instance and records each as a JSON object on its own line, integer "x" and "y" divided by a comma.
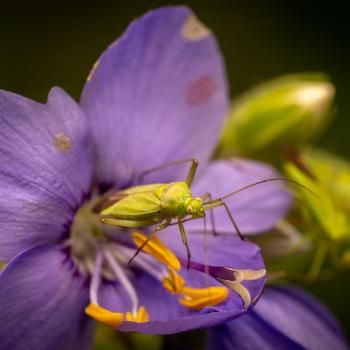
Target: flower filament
{"x": 103, "y": 315}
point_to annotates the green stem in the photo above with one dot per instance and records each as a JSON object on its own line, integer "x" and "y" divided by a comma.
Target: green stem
{"x": 318, "y": 261}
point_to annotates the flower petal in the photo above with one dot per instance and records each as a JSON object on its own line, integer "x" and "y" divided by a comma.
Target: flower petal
{"x": 247, "y": 333}
{"x": 285, "y": 318}
{"x": 226, "y": 258}
{"x": 42, "y": 302}
{"x": 167, "y": 315}
{"x": 221, "y": 250}
{"x": 45, "y": 169}
{"x": 157, "y": 94}
{"x": 256, "y": 209}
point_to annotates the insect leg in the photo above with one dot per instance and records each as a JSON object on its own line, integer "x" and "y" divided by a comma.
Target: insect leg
{"x": 233, "y": 220}
{"x": 192, "y": 172}
{"x": 184, "y": 240}
{"x": 109, "y": 221}
{"x": 212, "y": 219}
{"x": 150, "y": 236}
{"x": 126, "y": 223}
{"x": 184, "y": 220}
{"x": 205, "y": 196}
{"x": 206, "y": 259}
{"x": 218, "y": 203}
{"x": 190, "y": 175}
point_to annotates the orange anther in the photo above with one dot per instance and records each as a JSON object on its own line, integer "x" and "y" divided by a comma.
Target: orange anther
{"x": 198, "y": 298}
{"x": 104, "y": 316}
{"x": 158, "y": 250}
{"x": 142, "y": 316}
{"x": 173, "y": 282}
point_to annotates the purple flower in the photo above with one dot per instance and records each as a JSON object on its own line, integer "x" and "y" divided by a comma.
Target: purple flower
{"x": 156, "y": 95}
{"x": 284, "y": 318}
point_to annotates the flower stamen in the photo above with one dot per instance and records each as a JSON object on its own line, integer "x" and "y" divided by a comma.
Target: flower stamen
{"x": 104, "y": 316}
{"x": 141, "y": 315}
{"x": 144, "y": 262}
{"x": 96, "y": 279}
{"x": 95, "y": 311}
{"x": 173, "y": 282}
{"x": 198, "y": 298}
{"x": 158, "y": 250}
{"x": 123, "y": 279}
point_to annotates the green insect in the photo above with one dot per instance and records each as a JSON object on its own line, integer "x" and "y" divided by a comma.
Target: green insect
{"x": 161, "y": 204}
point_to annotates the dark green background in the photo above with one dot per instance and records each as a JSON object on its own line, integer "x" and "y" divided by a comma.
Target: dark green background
{"x": 56, "y": 42}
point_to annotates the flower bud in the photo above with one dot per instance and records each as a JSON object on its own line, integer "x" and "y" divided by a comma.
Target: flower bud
{"x": 333, "y": 172}
{"x": 286, "y": 111}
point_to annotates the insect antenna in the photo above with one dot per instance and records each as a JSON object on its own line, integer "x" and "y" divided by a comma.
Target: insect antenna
{"x": 205, "y": 247}
{"x": 261, "y": 182}
{"x": 221, "y": 201}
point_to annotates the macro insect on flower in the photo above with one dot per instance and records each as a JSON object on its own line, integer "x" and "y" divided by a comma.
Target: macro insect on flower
{"x": 147, "y": 205}
{"x": 157, "y": 95}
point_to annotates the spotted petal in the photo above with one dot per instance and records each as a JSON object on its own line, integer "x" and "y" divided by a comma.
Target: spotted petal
{"x": 156, "y": 95}
{"x": 42, "y": 303}
{"x": 284, "y": 318}
{"x": 45, "y": 169}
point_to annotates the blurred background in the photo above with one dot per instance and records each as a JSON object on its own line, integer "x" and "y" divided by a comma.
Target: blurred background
{"x": 56, "y": 43}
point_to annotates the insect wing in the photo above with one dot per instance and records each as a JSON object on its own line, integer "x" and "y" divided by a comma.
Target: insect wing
{"x": 143, "y": 188}
{"x": 134, "y": 206}
{"x": 110, "y": 199}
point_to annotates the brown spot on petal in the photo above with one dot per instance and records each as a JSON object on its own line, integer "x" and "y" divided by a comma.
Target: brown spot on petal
{"x": 63, "y": 142}
{"x": 200, "y": 90}
{"x": 193, "y": 30}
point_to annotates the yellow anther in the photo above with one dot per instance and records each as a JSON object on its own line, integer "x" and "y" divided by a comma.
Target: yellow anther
{"x": 198, "y": 298}
{"x": 104, "y": 316}
{"x": 158, "y": 250}
{"x": 142, "y": 316}
{"x": 173, "y": 282}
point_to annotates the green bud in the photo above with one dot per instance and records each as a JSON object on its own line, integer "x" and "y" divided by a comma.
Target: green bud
{"x": 289, "y": 110}
{"x": 333, "y": 172}
{"x": 329, "y": 178}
